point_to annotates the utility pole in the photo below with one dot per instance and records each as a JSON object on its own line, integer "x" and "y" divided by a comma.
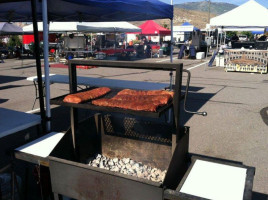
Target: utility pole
{"x": 209, "y": 3}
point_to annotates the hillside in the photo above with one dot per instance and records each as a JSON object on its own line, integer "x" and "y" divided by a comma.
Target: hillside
{"x": 197, "y": 18}
{"x": 215, "y": 7}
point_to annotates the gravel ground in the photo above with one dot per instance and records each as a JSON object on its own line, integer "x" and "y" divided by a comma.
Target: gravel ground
{"x": 236, "y": 103}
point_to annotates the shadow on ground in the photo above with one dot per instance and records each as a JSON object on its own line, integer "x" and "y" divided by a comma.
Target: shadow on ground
{"x": 3, "y": 100}
{"x": 194, "y": 102}
{"x": 8, "y": 79}
{"x": 264, "y": 115}
{"x": 11, "y": 86}
{"x": 259, "y": 196}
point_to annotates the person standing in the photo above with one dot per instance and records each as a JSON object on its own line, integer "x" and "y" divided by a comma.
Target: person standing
{"x": 234, "y": 39}
{"x": 130, "y": 43}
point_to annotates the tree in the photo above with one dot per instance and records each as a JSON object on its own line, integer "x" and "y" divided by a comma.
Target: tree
{"x": 165, "y": 25}
{"x": 248, "y": 33}
{"x": 13, "y": 41}
{"x": 230, "y": 34}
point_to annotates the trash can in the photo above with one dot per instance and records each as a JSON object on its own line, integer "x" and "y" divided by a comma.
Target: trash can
{"x": 200, "y": 55}
{"x": 160, "y": 51}
{"x": 220, "y": 60}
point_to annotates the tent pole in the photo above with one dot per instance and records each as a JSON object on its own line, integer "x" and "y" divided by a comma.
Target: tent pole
{"x": 38, "y": 67}
{"x": 171, "y": 47}
{"x": 114, "y": 41}
{"x": 224, "y": 37}
{"x": 46, "y": 67}
{"x": 171, "y": 60}
{"x": 91, "y": 40}
{"x": 218, "y": 39}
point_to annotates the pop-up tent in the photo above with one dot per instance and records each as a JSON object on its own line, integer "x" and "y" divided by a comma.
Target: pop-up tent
{"x": 86, "y": 10}
{"x": 76, "y": 10}
{"x": 150, "y": 27}
{"x": 57, "y": 27}
{"x": 183, "y": 32}
{"x": 9, "y": 29}
{"x": 185, "y": 27}
{"x": 119, "y": 27}
{"x": 248, "y": 16}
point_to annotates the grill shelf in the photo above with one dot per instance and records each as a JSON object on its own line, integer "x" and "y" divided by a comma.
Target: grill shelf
{"x": 89, "y": 105}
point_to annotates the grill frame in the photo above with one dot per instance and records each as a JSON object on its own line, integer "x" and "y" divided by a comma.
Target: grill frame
{"x": 179, "y": 145}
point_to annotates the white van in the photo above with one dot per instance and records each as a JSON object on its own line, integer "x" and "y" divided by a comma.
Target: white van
{"x": 243, "y": 37}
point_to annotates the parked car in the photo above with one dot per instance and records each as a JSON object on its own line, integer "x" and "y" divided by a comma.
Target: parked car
{"x": 243, "y": 37}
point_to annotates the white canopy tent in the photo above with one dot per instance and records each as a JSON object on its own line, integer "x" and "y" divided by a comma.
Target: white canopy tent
{"x": 249, "y": 16}
{"x": 57, "y": 27}
{"x": 119, "y": 27}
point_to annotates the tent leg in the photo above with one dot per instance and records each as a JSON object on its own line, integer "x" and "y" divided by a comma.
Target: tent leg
{"x": 46, "y": 67}
{"x": 171, "y": 60}
{"x": 38, "y": 67}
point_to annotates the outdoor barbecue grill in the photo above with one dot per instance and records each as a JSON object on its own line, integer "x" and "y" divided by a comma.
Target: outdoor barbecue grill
{"x": 120, "y": 133}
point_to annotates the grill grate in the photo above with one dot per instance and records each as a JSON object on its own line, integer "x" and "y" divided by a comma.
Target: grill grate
{"x": 133, "y": 128}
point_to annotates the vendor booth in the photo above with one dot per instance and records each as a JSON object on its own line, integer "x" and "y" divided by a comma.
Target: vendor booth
{"x": 252, "y": 17}
{"x": 77, "y": 45}
{"x": 154, "y": 30}
{"x": 183, "y": 32}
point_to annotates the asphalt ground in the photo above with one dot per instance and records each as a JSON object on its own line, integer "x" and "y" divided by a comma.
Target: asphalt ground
{"x": 236, "y": 127}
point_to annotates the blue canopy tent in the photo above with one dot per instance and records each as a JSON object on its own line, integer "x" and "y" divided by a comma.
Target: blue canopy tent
{"x": 188, "y": 24}
{"x": 76, "y": 10}
{"x": 259, "y": 32}
{"x": 87, "y": 10}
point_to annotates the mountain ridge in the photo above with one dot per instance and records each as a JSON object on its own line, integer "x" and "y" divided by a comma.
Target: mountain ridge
{"x": 216, "y": 8}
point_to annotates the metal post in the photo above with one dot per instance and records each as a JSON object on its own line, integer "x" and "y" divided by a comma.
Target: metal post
{"x": 46, "y": 67}
{"x": 176, "y": 100}
{"x": 224, "y": 37}
{"x": 74, "y": 111}
{"x": 218, "y": 39}
{"x": 114, "y": 41}
{"x": 171, "y": 60}
{"x": 171, "y": 35}
{"x": 38, "y": 66}
{"x": 91, "y": 41}
{"x": 209, "y": 3}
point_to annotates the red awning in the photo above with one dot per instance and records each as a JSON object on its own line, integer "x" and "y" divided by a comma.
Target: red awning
{"x": 27, "y": 39}
{"x": 152, "y": 28}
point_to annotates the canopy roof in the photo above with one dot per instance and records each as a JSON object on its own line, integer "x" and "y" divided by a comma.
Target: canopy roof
{"x": 249, "y": 15}
{"x": 150, "y": 27}
{"x": 121, "y": 27}
{"x": 9, "y": 29}
{"x": 87, "y": 10}
{"x": 185, "y": 27}
{"x": 57, "y": 27}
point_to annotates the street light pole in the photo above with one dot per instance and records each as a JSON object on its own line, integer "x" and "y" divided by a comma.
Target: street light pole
{"x": 209, "y": 3}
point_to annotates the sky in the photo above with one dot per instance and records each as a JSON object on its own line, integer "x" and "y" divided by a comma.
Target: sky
{"x": 237, "y": 2}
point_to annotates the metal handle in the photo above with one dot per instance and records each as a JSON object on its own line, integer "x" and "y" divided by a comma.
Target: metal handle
{"x": 186, "y": 94}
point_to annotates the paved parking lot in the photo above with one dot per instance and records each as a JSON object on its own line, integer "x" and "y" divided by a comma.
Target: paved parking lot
{"x": 236, "y": 127}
